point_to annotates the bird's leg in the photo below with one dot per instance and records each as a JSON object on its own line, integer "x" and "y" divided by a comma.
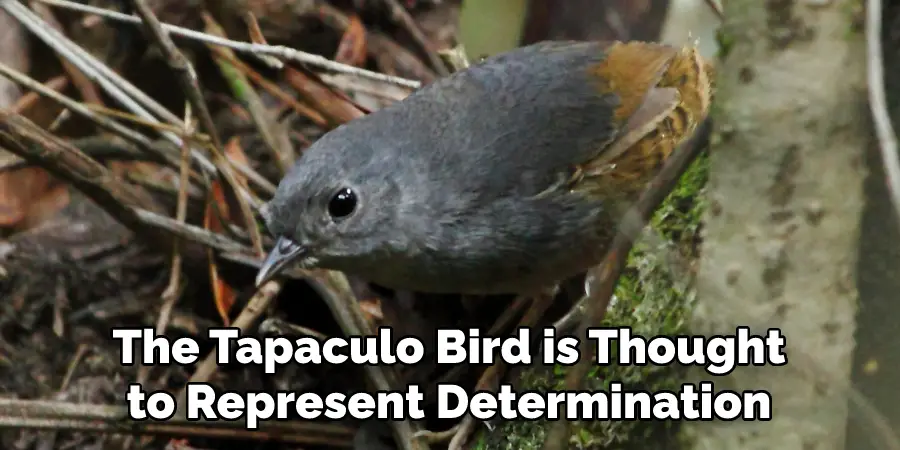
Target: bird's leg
{"x": 502, "y": 323}
{"x": 490, "y": 379}
{"x": 344, "y": 306}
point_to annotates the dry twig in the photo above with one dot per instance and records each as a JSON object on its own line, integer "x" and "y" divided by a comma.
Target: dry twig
{"x": 190, "y": 85}
{"x": 716, "y": 8}
{"x": 125, "y": 203}
{"x": 172, "y": 291}
{"x": 55, "y": 415}
{"x": 26, "y": 101}
{"x": 401, "y": 16}
{"x": 315, "y": 116}
{"x": 249, "y": 48}
{"x": 257, "y": 305}
{"x": 21, "y": 136}
{"x": 281, "y": 150}
{"x": 155, "y": 153}
{"x": 79, "y": 80}
{"x": 117, "y": 87}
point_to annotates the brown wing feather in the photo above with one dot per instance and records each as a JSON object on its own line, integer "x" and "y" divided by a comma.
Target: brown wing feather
{"x": 631, "y": 70}
{"x": 655, "y": 126}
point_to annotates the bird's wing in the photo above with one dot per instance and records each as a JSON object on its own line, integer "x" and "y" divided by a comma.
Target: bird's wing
{"x": 657, "y": 105}
{"x": 633, "y": 71}
{"x": 515, "y": 122}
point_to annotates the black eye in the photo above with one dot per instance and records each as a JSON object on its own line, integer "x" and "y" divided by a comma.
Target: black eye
{"x": 342, "y": 204}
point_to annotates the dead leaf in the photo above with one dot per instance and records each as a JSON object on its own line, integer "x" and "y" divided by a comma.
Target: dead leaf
{"x": 28, "y": 196}
{"x": 219, "y": 209}
{"x": 336, "y": 108}
{"x": 352, "y": 48}
{"x": 371, "y": 309}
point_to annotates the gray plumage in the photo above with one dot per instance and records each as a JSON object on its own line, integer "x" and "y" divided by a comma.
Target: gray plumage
{"x": 460, "y": 186}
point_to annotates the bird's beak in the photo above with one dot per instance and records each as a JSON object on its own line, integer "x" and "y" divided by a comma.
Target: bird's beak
{"x": 284, "y": 252}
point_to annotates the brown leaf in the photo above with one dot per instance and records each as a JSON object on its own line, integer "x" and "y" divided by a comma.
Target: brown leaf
{"x": 352, "y": 48}
{"x": 219, "y": 208}
{"x": 391, "y": 57}
{"x": 336, "y": 108}
{"x": 223, "y": 293}
{"x": 371, "y": 309}
{"x": 28, "y": 196}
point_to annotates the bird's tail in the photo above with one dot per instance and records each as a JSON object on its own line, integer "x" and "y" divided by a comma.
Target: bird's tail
{"x": 625, "y": 168}
{"x": 692, "y": 76}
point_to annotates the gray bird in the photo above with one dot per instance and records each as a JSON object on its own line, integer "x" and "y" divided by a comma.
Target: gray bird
{"x": 506, "y": 177}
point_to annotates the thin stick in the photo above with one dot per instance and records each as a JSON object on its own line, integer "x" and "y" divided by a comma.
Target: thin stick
{"x": 246, "y": 47}
{"x": 242, "y": 89}
{"x": 21, "y": 136}
{"x": 257, "y": 305}
{"x": 172, "y": 291}
{"x": 716, "y": 8}
{"x": 256, "y": 37}
{"x": 186, "y": 74}
{"x": 401, "y": 16}
{"x": 79, "y": 79}
{"x": 73, "y": 365}
{"x": 56, "y": 415}
{"x": 117, "y": 86}
{"x": 129, "y": 206}
{"x": 144, "y": 143}
{"x": 196, "y": 138}
{"x": 887, "y": 139}
{"x": 190, "y": 84}
{"x": 114, "y": 85}
{"x": 315, "y": 116}
{"x": 55, "y": 84}
{"x": 193, "y": 233}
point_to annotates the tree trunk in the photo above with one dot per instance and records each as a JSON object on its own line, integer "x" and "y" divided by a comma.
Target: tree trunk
{"x": 786, "y": 197}
{"x": 877, "y": 359}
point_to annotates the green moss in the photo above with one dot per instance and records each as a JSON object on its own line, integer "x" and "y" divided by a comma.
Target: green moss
{"x": 725, "y": 41}
{"x": 856, "y": 13}
{"x": 653, "y": 299}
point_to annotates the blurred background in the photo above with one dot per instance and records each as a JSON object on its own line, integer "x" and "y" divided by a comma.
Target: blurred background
{"x": 488, "y": 27}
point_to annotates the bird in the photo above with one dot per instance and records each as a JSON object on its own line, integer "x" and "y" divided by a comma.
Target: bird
{"x": 505, "y": 177}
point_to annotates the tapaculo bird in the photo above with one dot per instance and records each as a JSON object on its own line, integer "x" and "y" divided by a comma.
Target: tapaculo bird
{"x": 506, "y": 177}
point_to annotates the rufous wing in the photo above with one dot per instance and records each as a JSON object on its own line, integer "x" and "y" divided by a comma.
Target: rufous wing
{"x": 669, "y": 95}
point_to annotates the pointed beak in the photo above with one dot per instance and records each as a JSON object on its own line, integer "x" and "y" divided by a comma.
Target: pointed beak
{"x": 284, "y": 252}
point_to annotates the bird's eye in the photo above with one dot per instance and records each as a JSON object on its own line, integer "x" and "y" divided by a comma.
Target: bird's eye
{"x": 342, "y": 204}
